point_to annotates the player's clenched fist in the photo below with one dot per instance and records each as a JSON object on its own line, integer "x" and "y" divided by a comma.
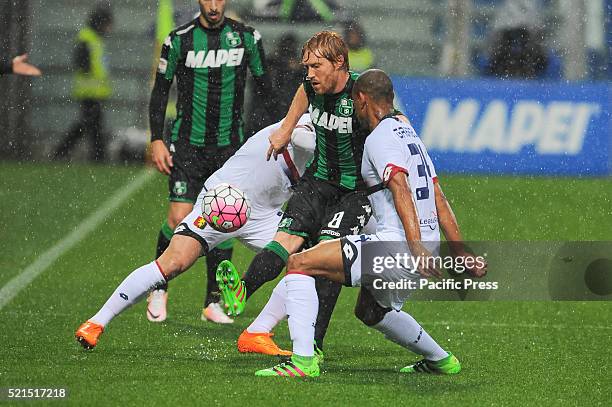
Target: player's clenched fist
{"x": 479, "y": 270}
{"x": 476, "y": 266}
{"x": 278, "y": 141}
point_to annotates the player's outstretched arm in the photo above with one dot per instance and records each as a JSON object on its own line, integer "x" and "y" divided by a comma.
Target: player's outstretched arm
{"x": 450, "y": 227}
{"x": 21, "y": 66}
{"x": 406, "y": 209}
{"x": 281, "y": 137}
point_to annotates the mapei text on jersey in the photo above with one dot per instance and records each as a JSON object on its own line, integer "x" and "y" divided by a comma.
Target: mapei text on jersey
{"x": 332, "y": 122}
{"x": 214, "y": 58}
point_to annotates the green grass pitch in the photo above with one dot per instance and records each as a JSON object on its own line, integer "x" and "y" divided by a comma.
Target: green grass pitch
{"x": 513, "y": 353}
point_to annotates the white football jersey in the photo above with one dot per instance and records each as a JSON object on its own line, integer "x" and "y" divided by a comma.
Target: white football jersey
{"x": 267, "y": 184}
{"x": 394, "y": 146}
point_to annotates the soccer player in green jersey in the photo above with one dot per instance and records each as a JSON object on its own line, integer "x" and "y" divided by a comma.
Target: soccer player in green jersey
{"x": 329, "y": 201}
{"x": 411, "y": 211}
{"x": 209, "y": 58}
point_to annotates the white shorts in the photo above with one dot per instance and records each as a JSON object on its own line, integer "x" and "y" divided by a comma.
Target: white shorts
{"x": 372, "y": 263}
{"x": 255, "y": 234}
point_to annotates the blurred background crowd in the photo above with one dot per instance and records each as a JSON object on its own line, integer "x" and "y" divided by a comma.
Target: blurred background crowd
{"x": 45, "y": 118}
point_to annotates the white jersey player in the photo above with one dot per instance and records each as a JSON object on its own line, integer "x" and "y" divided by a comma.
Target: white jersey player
{"x": 408, "y": 204}
{"x": 267, "y": 185}
{"x": 394, "y": 147}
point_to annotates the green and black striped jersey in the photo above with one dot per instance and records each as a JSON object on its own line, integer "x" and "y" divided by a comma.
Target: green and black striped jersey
{"x": 340, "y": 137}
{"x": 210, "y": 69}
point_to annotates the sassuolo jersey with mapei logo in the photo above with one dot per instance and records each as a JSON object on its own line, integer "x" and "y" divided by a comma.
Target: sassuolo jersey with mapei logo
{"x": 340, "y": 137}
{"x": 210, "y": 67}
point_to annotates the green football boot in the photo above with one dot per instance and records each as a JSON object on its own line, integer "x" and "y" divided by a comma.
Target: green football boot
{"x": 448, "y": 365}
{"x": 318, "y": 353}
{"x": 297, "y": 366}
{"x": 232, "y": 288}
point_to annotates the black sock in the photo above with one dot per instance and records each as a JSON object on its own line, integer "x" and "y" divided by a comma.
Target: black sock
{"x": 213, "y": 258}
{"x": 163, "y": 241}
{"x": 328, "y": 292}
{"x": 266, "y": 266}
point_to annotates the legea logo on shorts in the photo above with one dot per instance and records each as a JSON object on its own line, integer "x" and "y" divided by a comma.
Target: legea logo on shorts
{"x": 557, "y": 127}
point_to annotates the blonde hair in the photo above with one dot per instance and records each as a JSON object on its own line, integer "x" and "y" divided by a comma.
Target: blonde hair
{"x": 328, "y": 45}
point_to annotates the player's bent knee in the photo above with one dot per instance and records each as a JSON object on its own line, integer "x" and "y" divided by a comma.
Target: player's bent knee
{"x": 370, "y": 317}
{"x": 368, "y": 310}
{"x": 180, "y": 255}
{"x": 296, "y": 263}
{"x": 292, "y": 263}
{"x": 172, "y": 264}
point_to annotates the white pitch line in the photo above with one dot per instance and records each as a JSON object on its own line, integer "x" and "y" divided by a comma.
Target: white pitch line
{"x": 42, "y": 263}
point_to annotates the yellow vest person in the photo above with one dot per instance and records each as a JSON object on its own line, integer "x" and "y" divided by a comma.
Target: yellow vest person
{"x": 91, "y": 87}
{"x": 360, "y": 55}
{"x": 93, "y": 84}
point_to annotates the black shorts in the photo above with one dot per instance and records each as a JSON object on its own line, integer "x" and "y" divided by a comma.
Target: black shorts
{"x": 192, "y": 166}
{"x": 319, "y": 211}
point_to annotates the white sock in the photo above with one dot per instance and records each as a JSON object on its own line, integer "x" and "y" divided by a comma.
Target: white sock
{"x": 302, "y": 309}
{"x": 401, "y": 328}
{"x": 129, "y": 292}
{"x": 274, "y": 311}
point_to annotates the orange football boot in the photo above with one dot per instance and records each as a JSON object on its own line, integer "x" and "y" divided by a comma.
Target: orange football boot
{"x": 88, "y": 333}
{"x": 260, "y": 342}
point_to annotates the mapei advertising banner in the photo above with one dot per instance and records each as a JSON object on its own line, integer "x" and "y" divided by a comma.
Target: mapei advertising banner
{"x": 511, "y": 127}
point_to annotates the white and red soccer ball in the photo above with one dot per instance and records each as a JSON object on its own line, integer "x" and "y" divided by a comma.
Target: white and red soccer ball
{"x": 225, "y": 208}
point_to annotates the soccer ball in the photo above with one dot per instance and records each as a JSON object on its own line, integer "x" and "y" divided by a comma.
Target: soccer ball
{"x": 225, "y": 208}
